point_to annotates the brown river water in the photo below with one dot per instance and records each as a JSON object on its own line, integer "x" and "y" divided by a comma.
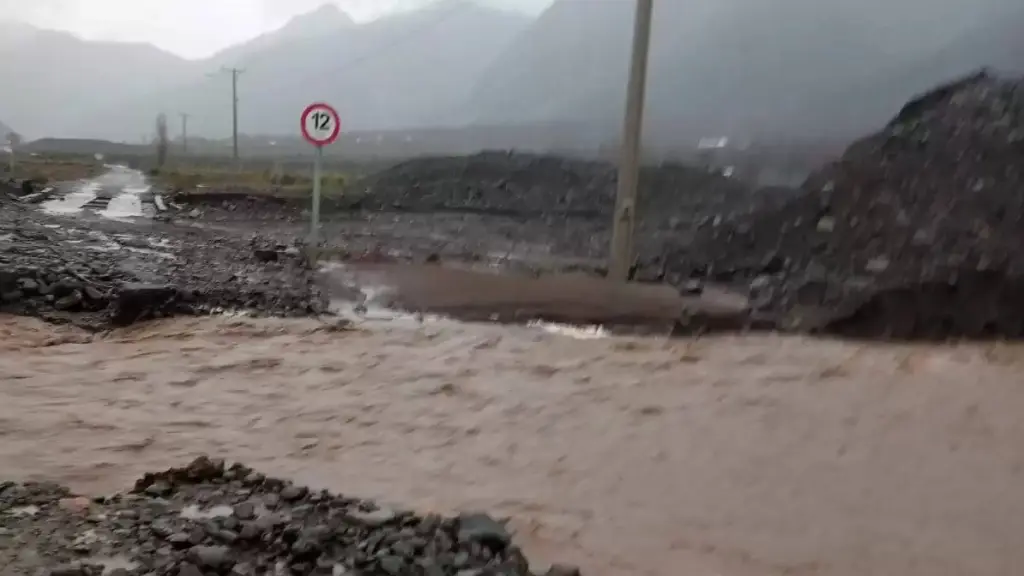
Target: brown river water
{"x": 723, "y": 456}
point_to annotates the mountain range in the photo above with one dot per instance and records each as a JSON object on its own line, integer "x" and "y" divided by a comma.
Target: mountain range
{"x": 786, "y": 68}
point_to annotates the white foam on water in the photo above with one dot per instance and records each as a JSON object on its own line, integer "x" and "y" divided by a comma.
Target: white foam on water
{"x": 123, "y": 206}
{"x": 73, "y": 202}
{"x": 126, "y": 205}
{"x": 578, "y": 332}
{"x": 372, "y": 307}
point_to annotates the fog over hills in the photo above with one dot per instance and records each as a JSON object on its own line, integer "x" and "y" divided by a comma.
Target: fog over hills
{"x": 52, "y": 78}
{"x": 789, "y": 67}
{"x": 786, "y": 68}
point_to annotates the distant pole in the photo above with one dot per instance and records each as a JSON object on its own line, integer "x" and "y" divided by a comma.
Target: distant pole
{"x": 184, "y": 133}
{"x": 235, "y": 73}
{"x": 629, "y": 163}
{"x": 13, "y": 140}
{"x": 234, "y": 111}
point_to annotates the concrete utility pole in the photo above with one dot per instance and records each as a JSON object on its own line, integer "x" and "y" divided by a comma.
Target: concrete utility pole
{"x": 234, "y": 111}
{"x": 629, "y": 164}
{"x": 235, "y": 73}
{"x": 184, "y": 133}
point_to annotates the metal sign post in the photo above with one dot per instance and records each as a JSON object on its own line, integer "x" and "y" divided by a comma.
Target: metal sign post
{"x": 314, "y": 226}
{"x": 321, "y": 126}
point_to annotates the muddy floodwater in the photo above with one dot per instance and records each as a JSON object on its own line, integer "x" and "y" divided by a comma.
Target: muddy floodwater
{"x": 723, "y": 456}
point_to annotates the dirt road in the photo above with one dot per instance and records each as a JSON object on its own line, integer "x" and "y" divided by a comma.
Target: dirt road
{"x": 730, "y": 456}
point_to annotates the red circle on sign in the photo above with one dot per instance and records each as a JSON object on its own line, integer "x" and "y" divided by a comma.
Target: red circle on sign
{"x": 330, "y": 110}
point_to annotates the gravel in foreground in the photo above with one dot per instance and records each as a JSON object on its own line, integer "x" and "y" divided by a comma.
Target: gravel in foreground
{"x": 208, "y": 519}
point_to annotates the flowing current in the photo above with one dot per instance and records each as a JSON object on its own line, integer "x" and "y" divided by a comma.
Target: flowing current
{"x": 726, "y": 456}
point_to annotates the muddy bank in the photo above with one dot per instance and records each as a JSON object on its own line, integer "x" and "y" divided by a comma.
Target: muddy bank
{"x": 208, "y": 518}
{"x": 916, "y": 232}
{"x": 473, "y": 294}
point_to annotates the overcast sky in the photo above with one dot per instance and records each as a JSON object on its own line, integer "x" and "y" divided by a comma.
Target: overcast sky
{"x": 195, "y": 28}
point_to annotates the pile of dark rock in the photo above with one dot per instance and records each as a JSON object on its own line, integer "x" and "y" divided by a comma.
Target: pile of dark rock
{"x": 102, "y": 275}
{"x": 532, "y": 186}
{"x": 236, "y": 203}
{"x": 42, "y": 276}
{"x": 217, "y": 273}
{"x": 210, "y": 519}
{"x": 916, "y": 232}
{"x": 15, "y": 189}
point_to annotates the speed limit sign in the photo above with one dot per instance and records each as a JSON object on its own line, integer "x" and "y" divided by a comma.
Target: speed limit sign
{"x": 320, "y": 124}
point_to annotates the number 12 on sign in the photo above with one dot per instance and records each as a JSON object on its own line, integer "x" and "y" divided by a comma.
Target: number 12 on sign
{"x": 321, "y": 121}
{"x": 320, "y": 126}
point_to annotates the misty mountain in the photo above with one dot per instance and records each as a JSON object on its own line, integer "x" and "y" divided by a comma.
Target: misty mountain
{"x": 408, "y": 70}
{"x": 50, "y": 77}
{"x": 793, "y": 68}
{"x": 785, "y": 68}
{"x": 324, "y": 21}
{"x": 996, "y": 43}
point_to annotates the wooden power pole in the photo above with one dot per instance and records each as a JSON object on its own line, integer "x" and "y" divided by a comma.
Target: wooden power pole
{"x": 235, "y": 73}
{"x": 184, "y": 133}
{"x": 234, "y": 111}
{"x": 629, "y": 163}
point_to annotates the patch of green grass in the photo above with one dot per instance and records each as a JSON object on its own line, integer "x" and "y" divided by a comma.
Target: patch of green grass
{"x": 45, "y": 170}
{"x": 201, "y": 179}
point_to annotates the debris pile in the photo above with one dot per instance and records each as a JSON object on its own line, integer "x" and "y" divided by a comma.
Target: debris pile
{"x": 100, "y": 275}
{"x": 915, "y": 233}
{"x": 533, "y": 186}
{"x": 237, "y": 204}
{"x": 211, "y": 519}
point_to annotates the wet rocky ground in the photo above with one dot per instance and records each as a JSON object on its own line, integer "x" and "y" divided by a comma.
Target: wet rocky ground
{"x": 915, "y": 233}
{"x": 540, "y": 186}
{"x": 210, "y": 519}
{"x": 96, "y": 272}
{"x": 524, "y": 211}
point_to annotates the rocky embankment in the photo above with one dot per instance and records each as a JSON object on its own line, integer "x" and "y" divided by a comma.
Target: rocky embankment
{"x": 548, "y": 193}
{"x": 209, "y": 519}
{"x": 102, "y": 273}
{"x": 915, "y": 233}
{"x": 538, "y": 186}
{"x": 234, "y": 204}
